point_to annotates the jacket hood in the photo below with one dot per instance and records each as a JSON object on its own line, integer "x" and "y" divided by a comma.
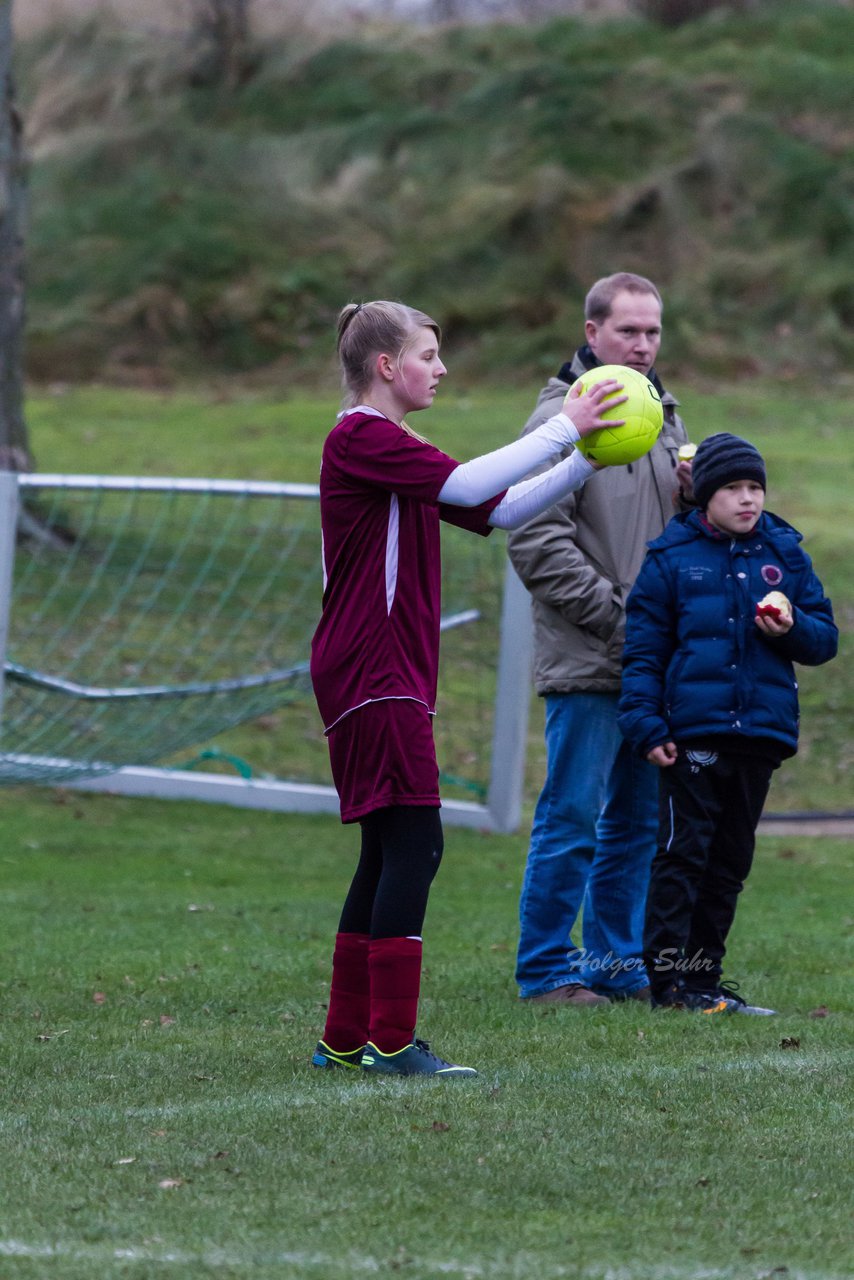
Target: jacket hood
{"x": 689, "y": 525}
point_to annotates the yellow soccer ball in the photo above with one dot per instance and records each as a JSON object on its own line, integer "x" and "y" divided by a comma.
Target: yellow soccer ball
{"x": 643, "y": 413}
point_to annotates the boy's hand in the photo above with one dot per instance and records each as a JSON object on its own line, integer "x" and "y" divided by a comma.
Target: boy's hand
{"x": 584, "y": 408}
{"x": 771, "y": 626}
{"x": 663, "y": 756}
{"x": 775, "y": 609}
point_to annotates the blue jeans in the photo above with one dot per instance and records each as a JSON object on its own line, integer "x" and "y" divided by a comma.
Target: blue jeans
{"x": 592, "y": 843}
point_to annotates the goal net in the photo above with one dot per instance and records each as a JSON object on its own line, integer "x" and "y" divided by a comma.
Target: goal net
{"x": 151, "y": 617}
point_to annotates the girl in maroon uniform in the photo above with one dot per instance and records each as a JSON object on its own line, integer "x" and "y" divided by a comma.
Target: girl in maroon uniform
{"x": 375, "y": 654}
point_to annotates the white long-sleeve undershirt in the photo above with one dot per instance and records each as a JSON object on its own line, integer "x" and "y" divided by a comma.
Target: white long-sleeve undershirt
{"x": 474, "y": 482}
{"x": 527, "y": 499}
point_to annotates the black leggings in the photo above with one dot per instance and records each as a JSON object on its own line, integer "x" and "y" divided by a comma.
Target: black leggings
{"x": 401, "y": 851}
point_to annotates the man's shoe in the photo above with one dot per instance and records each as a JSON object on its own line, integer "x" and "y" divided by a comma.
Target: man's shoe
{"x": 414, "y": 1059}
{"x": 323, "y": 1056}
{"x": 574, "y": 993}
{"x": 642, "y": 994}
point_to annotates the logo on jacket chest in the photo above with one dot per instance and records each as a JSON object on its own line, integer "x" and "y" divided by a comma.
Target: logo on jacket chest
{"x": 772, "y": 575}
{"x": 697, "y": 572}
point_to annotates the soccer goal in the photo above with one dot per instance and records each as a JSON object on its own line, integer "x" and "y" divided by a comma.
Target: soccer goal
{"x": 156, "y": 635}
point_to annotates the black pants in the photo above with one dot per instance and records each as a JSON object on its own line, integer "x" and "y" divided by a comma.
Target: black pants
{"x": 710, "y": 807}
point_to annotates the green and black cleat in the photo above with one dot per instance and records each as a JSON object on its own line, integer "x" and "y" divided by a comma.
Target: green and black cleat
{"x": 414, "y": 1059}
{"x": 324, "y": 1057}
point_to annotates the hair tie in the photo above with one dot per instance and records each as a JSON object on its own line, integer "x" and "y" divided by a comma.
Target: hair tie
{"x": 345, "y": 325}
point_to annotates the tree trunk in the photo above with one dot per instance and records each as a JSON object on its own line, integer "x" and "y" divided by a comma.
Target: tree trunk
{"x": 221, "y": 39}
{"x": 14, "y": 447}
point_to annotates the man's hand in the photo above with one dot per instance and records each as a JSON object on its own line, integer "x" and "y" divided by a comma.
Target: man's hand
{"x": 686, "y": 480}
{"x": 663, "y": 756}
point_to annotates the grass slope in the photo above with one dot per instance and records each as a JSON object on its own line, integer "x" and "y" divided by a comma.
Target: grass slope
{"x": 487, "y": 173}
{"x": 164, "y": 980}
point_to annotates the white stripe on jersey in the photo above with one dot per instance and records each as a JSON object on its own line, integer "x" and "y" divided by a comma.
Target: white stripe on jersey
{"x": 322, "y": 548}
{"x": 391, "y": 551}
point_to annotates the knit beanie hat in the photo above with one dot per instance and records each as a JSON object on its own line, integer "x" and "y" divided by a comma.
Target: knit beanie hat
{"x": 721, "y": 459}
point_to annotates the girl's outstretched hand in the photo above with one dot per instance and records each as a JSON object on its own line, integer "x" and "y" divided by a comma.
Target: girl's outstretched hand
{"x": 585, "y": 408}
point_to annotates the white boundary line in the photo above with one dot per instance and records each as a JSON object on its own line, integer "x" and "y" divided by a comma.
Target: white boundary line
{"x": 523, "y": 1264}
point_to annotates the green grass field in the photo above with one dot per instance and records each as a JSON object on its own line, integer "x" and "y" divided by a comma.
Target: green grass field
{"x": 164, "y": 979}
{"x": 166, "y": 968}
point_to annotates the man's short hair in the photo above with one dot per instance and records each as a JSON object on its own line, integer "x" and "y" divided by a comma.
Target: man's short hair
{"x": 600, "y": 299}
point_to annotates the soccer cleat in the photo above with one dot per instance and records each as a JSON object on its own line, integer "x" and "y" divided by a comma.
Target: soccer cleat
{"x": 323, "y": 1056}
{"x": 414, "y": 1059}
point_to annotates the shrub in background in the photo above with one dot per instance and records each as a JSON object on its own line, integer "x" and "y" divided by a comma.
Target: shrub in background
{"x": 489, "y": 173}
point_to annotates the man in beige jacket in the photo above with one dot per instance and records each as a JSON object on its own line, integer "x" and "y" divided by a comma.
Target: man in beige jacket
{"x": 595, "y": 824}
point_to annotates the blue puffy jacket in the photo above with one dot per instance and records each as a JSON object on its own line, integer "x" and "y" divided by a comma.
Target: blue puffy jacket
{"x": 695, "y": 664}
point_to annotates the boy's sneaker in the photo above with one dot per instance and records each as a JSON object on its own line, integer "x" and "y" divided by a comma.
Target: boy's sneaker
{"x": 414, "y": 1059}
{"x": 729, "y": 989}
{"x": 668, "y": 997}
{"x": 678, "y": 996}
{"x": 708, "y": 1002}
{"x": 323, "y": 1056}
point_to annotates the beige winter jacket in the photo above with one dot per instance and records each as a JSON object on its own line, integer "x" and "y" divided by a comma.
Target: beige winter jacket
{"x": 579, "y": 559}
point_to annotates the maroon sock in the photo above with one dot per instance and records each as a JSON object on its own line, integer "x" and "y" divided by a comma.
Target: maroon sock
{"x": 395, "y": 966}
{"x": 349, "y": 994}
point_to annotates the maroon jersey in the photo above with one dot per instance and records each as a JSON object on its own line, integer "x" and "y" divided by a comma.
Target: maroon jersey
{"x": 378, "y": 635}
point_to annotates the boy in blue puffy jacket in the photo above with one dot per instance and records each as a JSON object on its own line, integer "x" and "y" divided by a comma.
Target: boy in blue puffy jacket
{"x": 725, "y": 603}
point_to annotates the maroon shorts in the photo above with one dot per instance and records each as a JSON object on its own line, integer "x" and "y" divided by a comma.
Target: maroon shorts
{"x": 383, "y": 754}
